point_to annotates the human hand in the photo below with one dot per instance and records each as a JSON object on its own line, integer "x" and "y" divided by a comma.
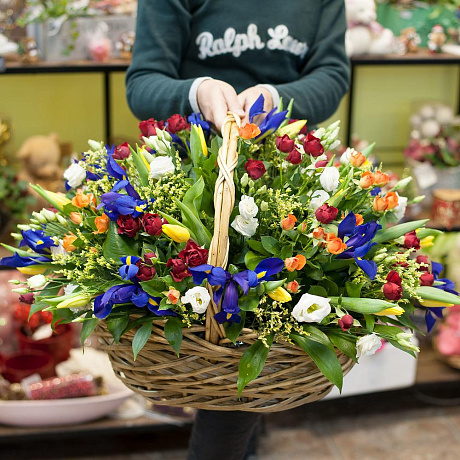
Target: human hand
{"x": 249, "y": 96}
{"x": 215, "y": 98}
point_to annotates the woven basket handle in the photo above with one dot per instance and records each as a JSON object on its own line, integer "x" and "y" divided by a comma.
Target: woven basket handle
{"x": 224, "y": 201}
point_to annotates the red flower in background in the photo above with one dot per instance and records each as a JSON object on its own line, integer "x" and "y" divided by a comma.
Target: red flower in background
{"x": 178, "y": 269}
{"x": 128, "y": 225}
{"x": 393, "y": 277}
{"x": 285, "y": 144}
{"x": 411, "y": 240}
{"x": 193, "y": 254}
{"x": 294, "y": 157}
{"x": 427, "y": 279}
{"x": 312, "y": 146}
{"x": 326, "y": 214}
{"x": 423, "y": 260}
{"x": 153, "y": 223}
{"x": 149, "y": 127}
{"x": 345, "y": 322}
{"x": 122, "y": 151}
{"x": 177, "y": 123}
{"x": 392, "y": 291}
{"x": 255, "y": 169}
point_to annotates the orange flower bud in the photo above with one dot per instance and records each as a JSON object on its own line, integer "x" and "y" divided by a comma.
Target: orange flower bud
{"x": 76, "y": 218}
{"x": 392, "y": 200}
{"x": 367, "y": 180}
{"x": 380, "y": 204}
{"x": 102, "y": 223}
{"x": 249, "y": 131}
{"x": 336, "y": 246}
{"x": 330, "y": 236}
{"x": 381, "y": 179}
{"x": 288, "y": 223}
{"x": 359, "y": 219}
{"x": 293, "y": 286}
{"x": 319, "y": 233}
{"x": 357, "y": 159}
{"x": 67, "y": 242}
{"x": 301, "y": 261}
{"x": 80, "y": 200}
{"x": 173, "y": 295}
{"x": 295, "y": 263}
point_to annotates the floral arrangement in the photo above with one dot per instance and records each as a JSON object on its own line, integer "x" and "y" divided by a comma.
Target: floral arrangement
{"x": 315, "y": 258}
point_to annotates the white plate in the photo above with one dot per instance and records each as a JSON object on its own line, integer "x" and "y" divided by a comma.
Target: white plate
{"x": 62, "y": 411}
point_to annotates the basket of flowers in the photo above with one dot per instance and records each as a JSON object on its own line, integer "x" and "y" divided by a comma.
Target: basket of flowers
{"x": 247, "y": 272}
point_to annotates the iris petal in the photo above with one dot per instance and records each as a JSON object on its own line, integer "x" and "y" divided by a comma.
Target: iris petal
{"x": 200, "y": 273}
{"x": 257, "y": 108}
{"x": 230, "y": 302}
{"x": 271, "y": 266}
{"x": 369, "y": 267}
{"x": 347, "y": 226}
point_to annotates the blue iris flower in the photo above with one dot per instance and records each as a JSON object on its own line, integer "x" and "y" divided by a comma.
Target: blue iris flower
{"x": 116, "y": 203}
{"x": 196, "y": 119}
{"x": 369, "y": 267}
{"x": 347, "y": 226}
{"x": 17, "y": 261}
{"x": 272, "y": 120}
{"x": 375, "y": 191}
{"x": 129, "y": 268}
{"x": 228, "y": 284}
{"x": 37, "y": 241}
{"x": 431, "y": 316}
{"x": 257, "y": 108}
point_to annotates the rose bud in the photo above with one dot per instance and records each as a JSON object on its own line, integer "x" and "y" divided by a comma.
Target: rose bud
{"x": 392, "y": 291}
{"x": 288, "y": 223}
{"x": 173, "y": 295}
{"x": 295, "y": 263}
{"x": 149, "y": 258}
{"x": 427, "y": 279}
{"x": 367, "y": 180}
{"x": 128, "y": 225}
{"x": 423, "y": 260}
{"x": 336, "y": 246}
{"x": 345, "y": 322}
{"x": 381, "y": 179}
{"x": 149, "y": 127}
{"x": 249, "y": 131}
{"x": 255, "y": 169}
{"x": 28, "y": 298}
{"x": 392, "y": 200}
{"x": 302, "y": 228}
{"x": 359, "y": 219}
{"x": 76, "y": 218}
{"x": 294, "y": 157}
{"x": 293, "y": 286}
{"x": 67, "y": 242}
{"x": 380, "y": 204}
{"x": 122, "y": 151}
{"x": 411, "y": 240}
{"x": 285, "y": 144}
{"x": 312, "y": 146}
{"x": 357, "y": 159}
{"x": 393, "y": 277}
{"x": 193, "y": 254}
{"x": 177, "y": 123}
{"x": 321, "y": 164}
{"x": 153, "y": 224}
{"x": 146, "y": 272}
{"x": 101, "y": 223}
{"x": 326, "y": 214}
{"x": 319, "y": 233}
{"x": 178, "y": 269}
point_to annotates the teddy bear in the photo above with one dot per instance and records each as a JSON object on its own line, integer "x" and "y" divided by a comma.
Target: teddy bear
{"x": 365, "y": 35}
{"x": 41, "y": 164}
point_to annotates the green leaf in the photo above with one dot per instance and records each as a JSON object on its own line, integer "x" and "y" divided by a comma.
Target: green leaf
{"x": 88, "y": 327}
{"x": 117, "y": 326}
{"x": 424, "y": 232}
{"x": 270, "y": 286}
{"x": 345, "y": 343}
{"x": 363, "y": 305}
{"x": 37, "y": 306}
{"x": 235, "y": 329}
{"x": 173, "y": 333}
{"x": 192, "y": 199}
{"x": 141, "y": 166}
{"x": 338, "y": 264}
{"x": 387, "y": 331}
{"x": 324, "y": 358}
{"x": 317, "y": 290}
{"x": 257, "y": 246}
{"x": 252, "y": 362}
{"x": 116, "y": 246}
{"x": 370, "y": 322}
{"x": 286, "y": 251}
{"x": 154, "y": 287}
{"x": 195, "y": 225}
{"x": 249, "y": 302}
{"x": 354, "y": 290}
{"x": 270, "y": 244}
{"x": 398, "y": 230}
{"x": 20, "y": 252}
{"x": 396, "y": 344}
{"x": 141, "y": 337}
{"x": 251, "y": 260}
{"x": 368, "y": 150}
{"x": 438, "y": 295}
{"x": 318, "y": 336}
{"x": 330, "y": 286}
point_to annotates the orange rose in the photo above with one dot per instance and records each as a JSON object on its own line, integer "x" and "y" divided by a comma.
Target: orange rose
{"x": 359, "y": 219}
{"x": 80, "y": 200}
{"x": 367, "y": 180}
{"x": 319, "y": 233}
{"x": 381, "y": 179}
{"x": 295, "y": 263}
{"x": 336, "y": 246}
{"x": 380, "y": 204}
{"x": 67, "y": 242}
{"x": 330, "y": 236}
{"x": 102, "y": 223}
{"x": 392, "y": 200}
{"x": 249, "y": 131}
{"x": 357, "y": 159}
{"x": 288, "y": 223}
{"x": 173, "y": 295}
{"x": 76, "y": 218}
{"x": 293, "y": 286}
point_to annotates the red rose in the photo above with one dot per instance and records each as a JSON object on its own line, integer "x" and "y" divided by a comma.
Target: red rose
{"x": 326, "y": 214}
{"x": 312, "y": 146}
{"x": 393, "y": 277}
{"x": 193, "y": 254}
{"x": 345, "y": 322}
{"x": 392, "y": 291}
{"x": 285, "y": 144}
{"x": 177, "y": 123}
{"x": 146, "y": 272}
{"x": 294, "y": 157}
{"x": 153, "y": 223}
{"x": 128, "y": 225}
{"x": 149, "y": 258}
{"x": 179, "y": 269}
{"x": 122, "y": 151}
{"x": 423, "y": 260}
{"x": 321, "y": 164}
{"x": 28, "y": 298}
{"x": 411, "y": 240}
{"x": 149, "y": 127}
{"x": 427, "y": 279}
{"x": 255, "y": 169}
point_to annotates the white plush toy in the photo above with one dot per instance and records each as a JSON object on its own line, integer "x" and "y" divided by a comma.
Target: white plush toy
{"x": 365, "y": 35}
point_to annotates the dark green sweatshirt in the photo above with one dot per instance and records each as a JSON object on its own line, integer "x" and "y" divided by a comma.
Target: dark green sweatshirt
{"x": 297, "y": 46}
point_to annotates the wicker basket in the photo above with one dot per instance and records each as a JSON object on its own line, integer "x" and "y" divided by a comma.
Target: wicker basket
{"x": 205, "y": 375}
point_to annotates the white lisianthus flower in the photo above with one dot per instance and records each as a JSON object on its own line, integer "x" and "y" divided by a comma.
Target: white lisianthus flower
{"x": 36, "y": 281}
{"x": 246, "y": 227}
{"x": 75, "y": 175}
{"x": 311, "y": 309}
{"x": 198, "y": 297}
{"x": 160, "y": 166}
{"x": 330, "y": 178}
{"x": 345, "y": 158}
{"x": 368, "y": 345}
{"x": 161, "y": 146}
{"x": 400, "y": 210}
{"x": 58, "y": 250}
{"x": 95, "y": 145}
{"x": 70, "y": 288}
{"x": 248, "y": 207}
{"x": 318, "y": 198}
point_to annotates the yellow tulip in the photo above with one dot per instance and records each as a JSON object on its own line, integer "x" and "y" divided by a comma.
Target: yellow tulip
{"x": 427, "y": 242}
{"x": 280, "y": 295}
{"x": 33, "y": 269}
{"x": 58, "y": 200}
{"x": 76, "y": 301}
{"x": 391, "y": 311}
{"x": 292, "y": 129}
{"x": 176, "y": 233}
{"x": 435, "y": 303}
{"x": 204, "y": 147}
